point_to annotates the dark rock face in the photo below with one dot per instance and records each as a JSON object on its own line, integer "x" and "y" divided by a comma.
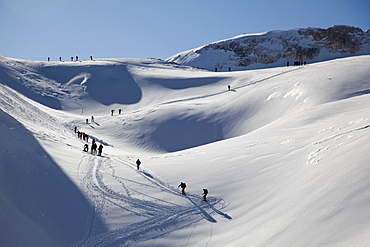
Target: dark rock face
{"x": 342, "y": 39}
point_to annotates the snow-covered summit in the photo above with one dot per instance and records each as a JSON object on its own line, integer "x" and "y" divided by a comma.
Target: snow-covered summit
{"x": 276, "y": 48}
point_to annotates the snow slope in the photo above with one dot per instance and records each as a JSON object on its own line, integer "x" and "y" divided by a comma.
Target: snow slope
{"x": 284, "y": 154}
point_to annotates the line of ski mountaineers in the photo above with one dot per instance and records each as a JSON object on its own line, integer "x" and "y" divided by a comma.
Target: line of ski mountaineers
{"x": 85, "y": 137}
{"x": 295, "y": 63}
{"x": 60, "y": 58}
{"x": 94, "y": 147}
{"x": 98, "y": 150}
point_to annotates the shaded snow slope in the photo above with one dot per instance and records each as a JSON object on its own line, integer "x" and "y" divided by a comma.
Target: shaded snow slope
{"x": 40, "y": 206}
{"x": 284, "y": 154}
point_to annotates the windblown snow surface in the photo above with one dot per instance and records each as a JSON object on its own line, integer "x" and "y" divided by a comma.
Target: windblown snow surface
{"x": 284, "y": 154}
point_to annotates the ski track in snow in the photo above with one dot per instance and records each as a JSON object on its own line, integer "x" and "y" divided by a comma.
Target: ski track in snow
{"x": 154, "y": 216}
{"x": 315, "y": 156}
{"x": 341, "y": 134}
{"x": 234, "y": 88}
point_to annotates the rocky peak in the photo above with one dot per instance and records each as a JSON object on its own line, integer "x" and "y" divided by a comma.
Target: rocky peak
{"x": 278, "y": 47}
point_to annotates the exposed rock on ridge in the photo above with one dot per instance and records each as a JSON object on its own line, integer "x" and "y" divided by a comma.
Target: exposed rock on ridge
{"x": 278, "y": 47}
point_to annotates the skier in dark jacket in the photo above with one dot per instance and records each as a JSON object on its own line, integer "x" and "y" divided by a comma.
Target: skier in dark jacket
{"x": 205, "y": 193}
{"x": 183, "y": 186}
{"x": 138, "y": 163}
{"x": 100, "y": 149}
{"x": 93, "y": 148}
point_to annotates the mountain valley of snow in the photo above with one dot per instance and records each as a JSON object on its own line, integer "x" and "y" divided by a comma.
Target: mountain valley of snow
{"x": 284, "y": 154}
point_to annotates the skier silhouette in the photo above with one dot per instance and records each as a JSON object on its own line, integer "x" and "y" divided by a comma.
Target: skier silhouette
{"x": 183, "y": 186}
{"x": 93, "y": 148}
{"x": 138, "y": 163}
{"x": 100, "y": 149}
{"x": 205, "y": 193}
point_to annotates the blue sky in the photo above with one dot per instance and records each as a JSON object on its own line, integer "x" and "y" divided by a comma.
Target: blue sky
{"x": 37, "y": 29}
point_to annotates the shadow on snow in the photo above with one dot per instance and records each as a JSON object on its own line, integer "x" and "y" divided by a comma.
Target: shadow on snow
{"x": 40, "y": 205}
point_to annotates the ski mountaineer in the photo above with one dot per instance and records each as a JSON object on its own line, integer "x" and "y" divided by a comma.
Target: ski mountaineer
{"x": 205, "y": 193}
{"x": 100, "y": 149}
{"x": 93, "y": 148}
{"x": 183, "y": 186}
{"x": 138, "y": 163}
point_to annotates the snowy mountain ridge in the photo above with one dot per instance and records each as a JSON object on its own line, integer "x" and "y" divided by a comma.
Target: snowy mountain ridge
{"x": 276, "y": 48}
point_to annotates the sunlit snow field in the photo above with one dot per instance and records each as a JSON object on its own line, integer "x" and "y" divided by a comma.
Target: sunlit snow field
{"x": 284, "y": 154}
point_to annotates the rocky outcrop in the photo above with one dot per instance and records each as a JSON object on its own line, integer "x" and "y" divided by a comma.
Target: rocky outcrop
{"x": 274, "y": 46}
{"x": 342, "y": 39}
